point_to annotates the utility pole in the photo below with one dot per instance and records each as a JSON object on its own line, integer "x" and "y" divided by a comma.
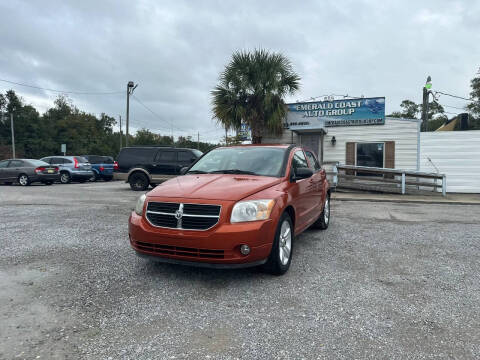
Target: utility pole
{"x": 120, "y": 119}
{"x": 198, "y": 140}
{"x": 426, "y": 93}
{"x": 130, "y": 88}
{"x": 13, "y": 135}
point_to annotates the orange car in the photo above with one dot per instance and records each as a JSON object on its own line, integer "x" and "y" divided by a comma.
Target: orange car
{"x": 237, "y": 206}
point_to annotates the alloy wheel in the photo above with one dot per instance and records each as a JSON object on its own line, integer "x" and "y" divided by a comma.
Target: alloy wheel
{"x": 285, "y": 242}
{"x": 23, "y": 180}
{"x": 64, "y": 178}
{"x": 326, "y": 211}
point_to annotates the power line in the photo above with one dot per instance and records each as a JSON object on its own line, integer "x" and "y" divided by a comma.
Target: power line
{"x": 453, "y": 107}
{"x": 454, "y": 96}
{"x": 156, "y": 115}
{"x": 64, "y": 91}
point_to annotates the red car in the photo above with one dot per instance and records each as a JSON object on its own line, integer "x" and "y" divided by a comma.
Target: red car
{"x": 236, "y": 206}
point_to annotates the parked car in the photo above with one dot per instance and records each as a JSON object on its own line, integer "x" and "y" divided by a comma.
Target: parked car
{"x": 148, "y": 165}
{"x": 72, "y": 168}
{"x": 102, "y": 166}
{"x": 27, "y": 171}
{"x": 235, "y": 207}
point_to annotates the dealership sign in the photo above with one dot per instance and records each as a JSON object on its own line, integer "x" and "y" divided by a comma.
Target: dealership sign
{"x": 349, "y": 112}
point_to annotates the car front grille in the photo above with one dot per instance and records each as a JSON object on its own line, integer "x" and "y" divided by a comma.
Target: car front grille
{"x": 183, "y": 216}
{"x": 179, "y": 251}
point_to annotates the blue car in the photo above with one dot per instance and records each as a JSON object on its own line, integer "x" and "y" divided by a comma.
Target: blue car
{"x": 102, "y": 167}
{"x": 72, "y": 168}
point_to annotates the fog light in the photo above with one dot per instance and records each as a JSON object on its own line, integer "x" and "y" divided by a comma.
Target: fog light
{"x": 245, "y": 249}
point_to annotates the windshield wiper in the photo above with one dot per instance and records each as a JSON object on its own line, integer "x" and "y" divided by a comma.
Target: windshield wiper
{"x": 197, "y": 172}
{"x": 233, "y": 171}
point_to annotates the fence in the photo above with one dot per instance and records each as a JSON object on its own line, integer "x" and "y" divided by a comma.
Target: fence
{"x": 389, "y": 180}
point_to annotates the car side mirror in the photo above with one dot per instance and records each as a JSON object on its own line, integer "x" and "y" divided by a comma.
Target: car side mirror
{"x": 302, "y": 173}
{"x": 183, "y": 170}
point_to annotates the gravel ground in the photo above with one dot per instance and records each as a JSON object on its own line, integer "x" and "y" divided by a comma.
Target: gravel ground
{"x": 386, "y": 280}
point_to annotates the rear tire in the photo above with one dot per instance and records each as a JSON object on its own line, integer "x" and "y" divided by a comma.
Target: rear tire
{"x": 280, "y": 257}
{"x": 138, "y": 181}
{"x": 324, "y": 219}
{"x": 94, "y": 177}
{"x": 65, "y": 177}
{"x": 23, "y": 180}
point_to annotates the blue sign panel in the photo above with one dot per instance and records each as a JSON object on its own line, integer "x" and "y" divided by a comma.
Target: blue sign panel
{"x": 349, "y": 112}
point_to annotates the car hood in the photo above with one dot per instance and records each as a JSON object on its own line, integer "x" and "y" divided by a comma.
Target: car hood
{"x": 213, "y": 186}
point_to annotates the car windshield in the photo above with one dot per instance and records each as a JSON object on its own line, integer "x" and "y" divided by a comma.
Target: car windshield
{"x": 255, "y": 160}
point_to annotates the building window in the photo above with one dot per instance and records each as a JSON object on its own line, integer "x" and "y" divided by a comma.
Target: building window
{"x": 370, "y": 154}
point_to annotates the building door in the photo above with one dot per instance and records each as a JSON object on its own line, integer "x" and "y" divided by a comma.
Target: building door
{"x": 311, "y": 142}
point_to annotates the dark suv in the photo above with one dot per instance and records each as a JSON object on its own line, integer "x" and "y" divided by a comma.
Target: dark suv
{"x": 149, "y": 165}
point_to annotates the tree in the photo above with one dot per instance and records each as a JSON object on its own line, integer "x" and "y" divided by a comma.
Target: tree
{"x": 251, "y": 90}
{"x": 474, "y": 107}
{"x": 436, "y": 114}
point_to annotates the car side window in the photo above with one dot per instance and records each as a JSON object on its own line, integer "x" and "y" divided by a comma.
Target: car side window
{"x": 15, "y": 163}
{"x": 185, "y": 156}
{"x": 4, "y": 164}
{"x": 56, "y": 161}
{"x": 165, "y": 156}
{"x": 312, "y": 160}
{"x": 65, "y": 161}
{"x": 47, "y": 160}
{"x": 298, "y": 161}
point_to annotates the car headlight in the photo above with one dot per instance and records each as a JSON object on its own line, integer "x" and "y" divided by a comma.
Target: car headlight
{"x": 140, "y": 203}
{"x": 251, "y": 210}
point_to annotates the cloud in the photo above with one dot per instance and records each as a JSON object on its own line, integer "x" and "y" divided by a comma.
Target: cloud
{"x": 175, "y": 51}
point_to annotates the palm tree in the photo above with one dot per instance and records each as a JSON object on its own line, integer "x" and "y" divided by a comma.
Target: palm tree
{"x": 251, "y": 90}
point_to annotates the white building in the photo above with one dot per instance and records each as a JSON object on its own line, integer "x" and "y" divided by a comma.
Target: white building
{"x": 455, "y": 154}
{"x": 353, "y": 132}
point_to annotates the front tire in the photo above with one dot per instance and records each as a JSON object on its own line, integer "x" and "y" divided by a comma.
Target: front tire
{"x": 23, "y": 180}
{"x": 138, "y": 181}
{"x": 324, "y": 220}
{"x": 280, "y": 257}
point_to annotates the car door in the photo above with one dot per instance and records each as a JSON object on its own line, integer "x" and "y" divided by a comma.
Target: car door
{"x": 165, "y": 162}
{"x": 303, "y": 193}
{"x": 15, "y": 167}
{"x": 318, "y": 178}
{"x": 4, "y": 170}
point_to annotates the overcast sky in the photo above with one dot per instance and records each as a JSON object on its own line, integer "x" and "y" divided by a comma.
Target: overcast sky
{"x": 175, "y": 50}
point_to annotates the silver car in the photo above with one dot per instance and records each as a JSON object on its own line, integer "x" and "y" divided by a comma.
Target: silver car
{"x": 27, "y": 171}
{"x": 72, "y": 168}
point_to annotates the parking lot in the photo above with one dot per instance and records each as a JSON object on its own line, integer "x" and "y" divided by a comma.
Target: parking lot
{"x": 385, "y": 280}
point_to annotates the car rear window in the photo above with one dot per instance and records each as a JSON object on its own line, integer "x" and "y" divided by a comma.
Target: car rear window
{"x": 94, "y": 159}
{"x": 38, "y": 163}
{"x": 134, "y": 154}
{"x": 81, "y": 159}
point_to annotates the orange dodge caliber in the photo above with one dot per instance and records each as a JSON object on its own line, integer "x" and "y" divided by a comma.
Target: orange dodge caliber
{"x": 237, "y": 206}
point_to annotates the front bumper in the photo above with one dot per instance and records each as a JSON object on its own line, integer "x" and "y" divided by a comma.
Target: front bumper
{"x": 218, "y": 247}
